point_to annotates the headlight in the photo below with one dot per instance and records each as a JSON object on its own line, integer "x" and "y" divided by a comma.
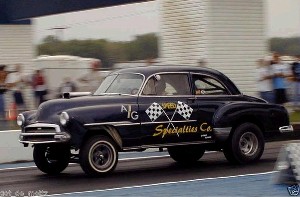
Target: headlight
{"x": 64, "y": 118}
{"x": 20, "y": 120}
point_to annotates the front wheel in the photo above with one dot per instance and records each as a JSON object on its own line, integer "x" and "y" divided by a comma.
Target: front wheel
{"x": 98, "y": 156}
{"x": 51, "y": 159}
{"x": 246, "y": 144}
{"x": 186, "y": 154}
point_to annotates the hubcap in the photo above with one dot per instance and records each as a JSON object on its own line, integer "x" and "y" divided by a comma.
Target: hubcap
{"x": 248, "y": 144}
{"x": 101, "y": 156}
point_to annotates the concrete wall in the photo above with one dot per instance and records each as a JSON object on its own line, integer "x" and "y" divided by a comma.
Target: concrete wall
{"x": 10, "y": 148}
{"x": 229, "y": 35}
{"x": 16, "y": 46}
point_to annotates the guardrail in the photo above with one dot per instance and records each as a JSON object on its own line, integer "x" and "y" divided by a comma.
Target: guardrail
{"x": 10, "y": 148}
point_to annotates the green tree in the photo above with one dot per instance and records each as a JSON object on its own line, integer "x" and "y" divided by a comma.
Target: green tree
{"x": 285, "y": 46}
{"x": 142, "y": 47}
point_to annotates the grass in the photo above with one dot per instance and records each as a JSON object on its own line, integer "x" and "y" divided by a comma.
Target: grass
{"x": 295, "y": 116}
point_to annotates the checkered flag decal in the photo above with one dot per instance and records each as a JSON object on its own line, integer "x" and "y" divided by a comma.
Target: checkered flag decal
{"x": 154, "y": 111}
{"x": 184, "y": 110}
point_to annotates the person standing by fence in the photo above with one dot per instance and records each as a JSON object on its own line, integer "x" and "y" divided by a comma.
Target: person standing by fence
{"x": 15, "y": 82}
{"x": 39, "y": 86}
{"x": 279, "y": 73}
{"x": 296, "y": 78}
{"x": 3, "y": 88}
{"x": 264, "y": 83}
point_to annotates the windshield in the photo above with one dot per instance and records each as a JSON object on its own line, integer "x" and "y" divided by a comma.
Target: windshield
{"x": 120, "y": 84}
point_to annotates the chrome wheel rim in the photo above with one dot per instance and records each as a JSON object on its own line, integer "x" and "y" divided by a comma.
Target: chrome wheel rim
{"x": 248, "y": 144}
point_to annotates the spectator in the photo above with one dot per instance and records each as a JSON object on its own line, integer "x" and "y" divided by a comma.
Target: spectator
{"x": 3, "y": 88}
{"x": 66, "y": 86}
{"x": 279, "y": 72}
{"x": 265, "y": 80}
{"x": 16, "y": 82}
{"x": 39, "y": 86}
{"x": 296, "y": 78}
{"x": 93, "y": 78}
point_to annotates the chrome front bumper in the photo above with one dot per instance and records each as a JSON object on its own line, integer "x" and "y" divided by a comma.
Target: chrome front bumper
{"x": 286, "y": 129}
{"x": 41, "y": 133}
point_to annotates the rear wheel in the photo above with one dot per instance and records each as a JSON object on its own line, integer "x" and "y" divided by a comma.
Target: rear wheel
{"x": 186, "y": 154}
{"x": 51, "y": 159}
{"x": 98, "y": 156}
{"x": 246, "y": 144}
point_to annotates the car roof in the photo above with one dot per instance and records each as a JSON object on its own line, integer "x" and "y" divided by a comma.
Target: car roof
{"x": 149, "y": 70}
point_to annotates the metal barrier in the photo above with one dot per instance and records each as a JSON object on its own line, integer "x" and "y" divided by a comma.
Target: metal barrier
{"x": 288, "y": 165}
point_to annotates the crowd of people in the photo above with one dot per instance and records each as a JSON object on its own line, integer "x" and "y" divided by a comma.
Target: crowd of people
{"x": 15, "y": 82}
{"x": 276, "y": 77}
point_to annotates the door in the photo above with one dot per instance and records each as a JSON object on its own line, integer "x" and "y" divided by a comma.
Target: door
{"x": 210, "y": 94}
{"x": 166, "y": 108}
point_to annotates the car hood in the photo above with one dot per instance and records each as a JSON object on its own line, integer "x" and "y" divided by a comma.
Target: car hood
{"x": 49, "y": 109}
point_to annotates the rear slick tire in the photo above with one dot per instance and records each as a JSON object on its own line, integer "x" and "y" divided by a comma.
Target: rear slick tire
{"x": 246, "y": 144}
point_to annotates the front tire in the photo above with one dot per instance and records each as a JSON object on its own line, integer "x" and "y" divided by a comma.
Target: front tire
{"x": 98, "y": 156}
{"x": 51, "y": 159}
{"x": 246, "y": 145}
{"x": 186, "y": 154}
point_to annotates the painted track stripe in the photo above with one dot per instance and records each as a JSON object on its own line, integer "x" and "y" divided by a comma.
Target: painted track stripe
{"x": 124, "y": 159}
{"x": 7, "y": 131}
{"x": 164, "y": 183}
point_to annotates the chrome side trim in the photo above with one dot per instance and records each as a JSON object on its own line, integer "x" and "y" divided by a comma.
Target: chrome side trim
{"x": 164, "y": 122}
{"x": 127, "y": 123}
{"x": 169, "y": 144}
{"x": 222, "y": 134}
{"x": 286, "y": 129}
{"x": 123, "y": 123}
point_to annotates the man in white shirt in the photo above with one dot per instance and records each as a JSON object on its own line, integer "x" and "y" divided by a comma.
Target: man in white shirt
{"x": 3, "y": 88}
{"x": 264, "y": 81}
{"x": 15, "y": 82}
{"x": 279, "y": 72}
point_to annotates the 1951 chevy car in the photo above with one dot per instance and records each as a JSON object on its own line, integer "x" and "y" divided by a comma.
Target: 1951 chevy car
{"x": 185, "y": 109}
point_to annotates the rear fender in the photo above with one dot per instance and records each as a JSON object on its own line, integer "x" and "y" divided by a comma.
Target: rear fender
{"x": 267, "y": 117}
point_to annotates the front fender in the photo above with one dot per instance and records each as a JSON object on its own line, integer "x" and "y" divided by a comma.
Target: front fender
{"x": 85, "y": 121}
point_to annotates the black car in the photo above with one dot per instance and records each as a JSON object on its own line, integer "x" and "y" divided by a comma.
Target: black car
{"x": 185, "y": 109}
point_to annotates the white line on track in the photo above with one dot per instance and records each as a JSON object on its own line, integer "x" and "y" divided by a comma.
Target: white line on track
{"x": 125, "y": 159}
{"x": 164, "y": 183}
{"x": 7, "y": 131}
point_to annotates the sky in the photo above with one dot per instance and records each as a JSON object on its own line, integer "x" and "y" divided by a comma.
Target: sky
{"x": 123, "y": 23}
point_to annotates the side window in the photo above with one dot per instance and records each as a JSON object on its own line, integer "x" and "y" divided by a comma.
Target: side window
{"x": 205, "y": 85}
{"x": 167, "y": 85}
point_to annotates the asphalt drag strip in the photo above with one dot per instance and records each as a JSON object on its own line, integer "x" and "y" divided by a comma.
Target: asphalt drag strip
{"x": 241, "y": 185}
